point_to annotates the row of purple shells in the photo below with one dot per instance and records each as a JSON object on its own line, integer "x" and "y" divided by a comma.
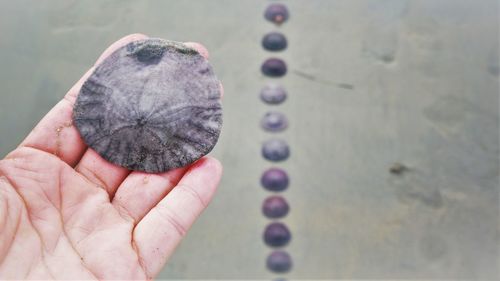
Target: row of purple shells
{"x": 275, "y": 179}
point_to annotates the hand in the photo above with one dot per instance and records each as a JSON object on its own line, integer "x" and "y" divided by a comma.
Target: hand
{"x": 65, "y": 213}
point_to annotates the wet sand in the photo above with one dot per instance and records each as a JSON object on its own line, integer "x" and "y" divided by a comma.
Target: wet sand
{"x": 373, "y": 86}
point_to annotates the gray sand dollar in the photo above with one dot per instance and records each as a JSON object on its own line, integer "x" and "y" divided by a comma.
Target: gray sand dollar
{"x": 273, "y": 94}
{"x": 152, "y": 105}
{"x": 275, "y": 150}
{"x": 274, "y": 121}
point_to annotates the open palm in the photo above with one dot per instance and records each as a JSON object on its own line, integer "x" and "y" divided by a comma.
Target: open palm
{"x": 65, "y": 213}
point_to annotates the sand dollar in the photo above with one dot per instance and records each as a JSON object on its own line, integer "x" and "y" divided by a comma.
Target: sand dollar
{"x": 152, "y": 105}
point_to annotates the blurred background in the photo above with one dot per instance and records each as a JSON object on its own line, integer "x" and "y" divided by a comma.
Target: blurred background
{"x": 373, "y": 85}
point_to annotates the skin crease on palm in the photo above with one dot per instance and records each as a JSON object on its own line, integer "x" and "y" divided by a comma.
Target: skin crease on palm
{"x": 65, "y": 213}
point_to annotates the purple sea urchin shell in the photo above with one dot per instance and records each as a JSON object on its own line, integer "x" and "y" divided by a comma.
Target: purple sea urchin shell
{"x": 275, "y": 207}
{"x": 273, "y": 94}
{"x": 277, "y": 234}
{"x": 275, "y": 150}
{"x": 274, "y": 67}
{"x": 274, "y": 122}
{"x": 152, "y": 105}
{"x": 274, "y": 41}
{"x": 277, "y": 13}
{"x": 275, "y": 179}
{"x": 279, "y": 262}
